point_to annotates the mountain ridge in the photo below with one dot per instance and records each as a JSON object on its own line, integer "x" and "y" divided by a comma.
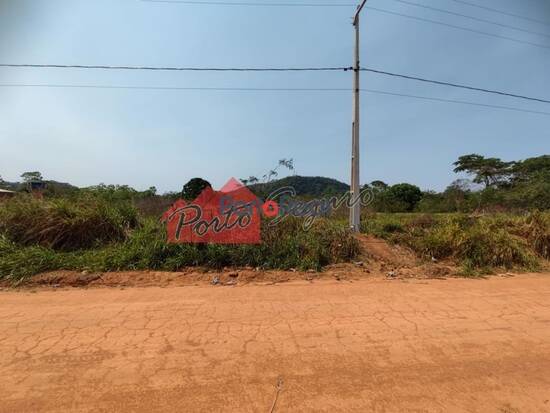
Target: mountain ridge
{"x": 313, "y": 186}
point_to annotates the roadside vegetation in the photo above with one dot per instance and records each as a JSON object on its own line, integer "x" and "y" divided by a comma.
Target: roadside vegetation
{"x": 497, "y": 219}
{"x": 66, "y": 224}
{"x": 492, "y": 221}
{"x": 93, "y": 234}
{"x": 479, "y": 243}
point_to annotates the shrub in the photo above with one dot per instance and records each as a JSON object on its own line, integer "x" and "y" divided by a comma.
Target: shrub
{"x": 538, "y": 233}
{"x": 63, "y": 224}
{"x": 422, "y": 221}
{"x": 406, "y": 194}
{"x": 475, "y": 242}
{"x": 392, "y": 227}
{"x": 484, "y": 246}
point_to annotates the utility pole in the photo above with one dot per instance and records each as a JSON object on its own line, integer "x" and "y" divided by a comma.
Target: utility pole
{"x": 355, "y": 189}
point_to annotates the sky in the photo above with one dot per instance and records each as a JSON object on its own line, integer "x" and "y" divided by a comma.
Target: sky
{"x": 163, "y": 138}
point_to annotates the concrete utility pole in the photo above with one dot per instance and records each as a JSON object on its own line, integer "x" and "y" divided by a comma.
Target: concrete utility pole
{"x": 355, "y": 211}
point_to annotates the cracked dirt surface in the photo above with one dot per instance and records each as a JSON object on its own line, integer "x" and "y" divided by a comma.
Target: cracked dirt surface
{"x": 367, "y": 346}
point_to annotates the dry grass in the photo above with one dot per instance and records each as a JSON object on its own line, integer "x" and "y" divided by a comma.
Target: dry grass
{"x": 67, "y": 225}
{"x": 286, "y": 245}
{"x": 538, "y": 233}
{"x": 479, "y": 243}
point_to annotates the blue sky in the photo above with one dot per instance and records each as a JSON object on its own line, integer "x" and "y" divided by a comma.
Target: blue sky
{"x": 164, "y": 138}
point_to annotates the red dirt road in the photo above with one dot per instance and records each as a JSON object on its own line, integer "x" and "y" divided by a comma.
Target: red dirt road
{"x": 367, "y": 346}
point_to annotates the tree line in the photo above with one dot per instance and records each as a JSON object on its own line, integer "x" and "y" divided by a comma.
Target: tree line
{"x": 492, "y": 185}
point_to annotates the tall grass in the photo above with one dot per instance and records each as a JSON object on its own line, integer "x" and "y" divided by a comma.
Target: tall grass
{"x": 97, "y": 234}
{"x": 17, "y": 262}
{"x": 479, "y": 244}
{"x": 64, "y": 224}
{"x": 286, "y": 245}
{"x": 538, "y": 233}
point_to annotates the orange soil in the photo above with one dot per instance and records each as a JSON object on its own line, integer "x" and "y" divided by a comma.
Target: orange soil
{"x": 373, "y": 345}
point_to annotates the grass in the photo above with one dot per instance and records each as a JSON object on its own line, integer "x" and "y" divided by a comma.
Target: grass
{"x": 97, "y": 234}
{"x": 18, "y": 262}
{"x": 538, "y": 233}
{"x": 63, "y": 224}
{"x": 285, "y": 246}
{"x": 479, "y": 244}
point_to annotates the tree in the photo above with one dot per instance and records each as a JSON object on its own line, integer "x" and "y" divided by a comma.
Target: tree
{"x": 456, "y": 193}
{"x": 460, "y": 185}
{"x": 32, "y": 176}
{"x": 273, "y": 173}
{"x": 270, "y": 175}
{"x": 530, "y": 168}
{"x": 487, "y": 171}
{"x": 406, "y": 194}
{"x": 534, "y": 193}
{"x": 287, "y": 163}
{"x": 433, "y": 201}
{"x": 193, "y": 188}
{"x": 379, "y": 185}
{"x": 152, "y": 191}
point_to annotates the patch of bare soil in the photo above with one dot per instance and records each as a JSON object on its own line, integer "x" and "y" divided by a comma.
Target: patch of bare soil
{"x": 188, "y": 276}
{"x": 193, "y": 276}
{"x": 379, "y": 250}
{"x": 399, "y": 262}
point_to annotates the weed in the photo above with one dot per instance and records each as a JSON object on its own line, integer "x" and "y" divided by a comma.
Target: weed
{"x": 286, "y": 245}
{"x": 479, "y": 244}
{"x": 538, "y": 233}
{"x": 64, "y": 224}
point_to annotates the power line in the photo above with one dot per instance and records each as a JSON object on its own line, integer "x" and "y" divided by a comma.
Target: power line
{"x": 461, "y": 102}
{"x": 546, "y": 23}
{"x": 253, "y": 4}
{"x": 282, "y": 4}
{"x": 457, "y": 27}
{"x": 272, "y": 69}
{"x": 452, "y": 13}
{"x": 258, "y": 89}
{"x": 455, "y": 85}
{"x": 228, "y": 89}
{"x": 182, "y": 69}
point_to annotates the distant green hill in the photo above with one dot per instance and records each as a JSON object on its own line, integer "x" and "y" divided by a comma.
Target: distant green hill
{"x": 307, "y": 186}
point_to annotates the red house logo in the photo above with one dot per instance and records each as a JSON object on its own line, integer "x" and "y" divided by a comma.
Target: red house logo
{"x": 231, "y": 215}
